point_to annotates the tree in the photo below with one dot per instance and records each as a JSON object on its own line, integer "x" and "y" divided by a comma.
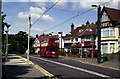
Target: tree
{"x": 3, "y": 25}
{"x": 19, "y": 43}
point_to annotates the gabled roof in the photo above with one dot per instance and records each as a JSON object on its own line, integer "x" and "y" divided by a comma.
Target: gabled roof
{"x": 114, "y": 14}
{"x": 76, "y": 32}
{"x": 84, "y": 32}
{"x": 67, "y": 35}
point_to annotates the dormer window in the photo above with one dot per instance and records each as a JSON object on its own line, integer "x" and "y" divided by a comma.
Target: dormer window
{"x": 87, "y": 29}
{"x": 80, "y": 30}
{"x": 90, "y": 29}
{"x": 104, "y": 17}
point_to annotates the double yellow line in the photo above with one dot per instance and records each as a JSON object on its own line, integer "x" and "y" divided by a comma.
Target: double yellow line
{"x": 41, "y": 69}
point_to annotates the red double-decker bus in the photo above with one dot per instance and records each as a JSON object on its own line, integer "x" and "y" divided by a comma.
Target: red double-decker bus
{"x": 49, "y": 47}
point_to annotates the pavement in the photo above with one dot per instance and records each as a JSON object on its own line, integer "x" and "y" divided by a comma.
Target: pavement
{"x": 90, "y": 61}
{"x": 17, "y": 67}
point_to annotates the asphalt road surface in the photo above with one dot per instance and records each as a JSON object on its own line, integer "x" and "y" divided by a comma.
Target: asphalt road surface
{"x": 71, "y": 68}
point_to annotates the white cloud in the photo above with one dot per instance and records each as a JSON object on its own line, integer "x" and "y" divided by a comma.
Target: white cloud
{"x": 36, "y": 29}
{"x": 61, "y": 4}
{"x": 35, "y": 13}
{"x": 41, "y": 4}
{"x": 37, "y": 10}
{"x": 86, "y": 4}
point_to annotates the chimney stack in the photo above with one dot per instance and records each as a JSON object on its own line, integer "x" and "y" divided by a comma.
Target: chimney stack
{"x": 36, "y": 35}
{"x": 72, "y": 27}
{"x": 87, "y": 23}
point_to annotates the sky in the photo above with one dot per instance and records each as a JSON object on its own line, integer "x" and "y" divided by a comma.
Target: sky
{"x": 17, "y": 12}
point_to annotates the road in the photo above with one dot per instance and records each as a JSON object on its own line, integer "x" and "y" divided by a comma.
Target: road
{"x": 71, "y": 68}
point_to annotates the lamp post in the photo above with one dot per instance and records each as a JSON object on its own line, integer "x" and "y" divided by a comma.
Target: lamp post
{"x": 99, "y": 33}
{"x": 7, "y": 40}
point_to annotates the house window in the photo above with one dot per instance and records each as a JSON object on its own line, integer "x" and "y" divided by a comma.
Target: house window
{"x": 76, "y": 39}
{"x": 82, "y": 38}
{"x": 104, "y": 32}
{"x": 112, "y": 31}
{"x": 88, "y": 38}
{"x": 87, "y": 29}
{"x": 107, "y": 32}
{"x": 42, "y": 49}
{"x": 72, "y": 39}
{"x": 112, "y": 47}
{"x": 104, "y": 17}
{"x": 104, "y": 48}
{"x": 80, "y": 30}
{"x": 67, "y": 39}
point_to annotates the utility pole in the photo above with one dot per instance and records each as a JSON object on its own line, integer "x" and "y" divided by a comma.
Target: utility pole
{"x": 7, "y": 40}
{"x": 6, "y": 44}
{"x": 28, "y": 51}
{"x": 0, "y": 41}
{"x": 99, "y": 35}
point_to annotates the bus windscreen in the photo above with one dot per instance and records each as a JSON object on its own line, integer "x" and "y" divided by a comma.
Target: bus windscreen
{"x": 52, "y": 49}
{"x": 54, "y": 40}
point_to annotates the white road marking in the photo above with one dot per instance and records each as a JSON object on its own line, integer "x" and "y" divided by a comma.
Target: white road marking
{"x": 77, "y": 68}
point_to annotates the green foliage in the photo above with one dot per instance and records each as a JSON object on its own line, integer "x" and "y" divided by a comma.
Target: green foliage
{"x": 68, "y": 51}
{"x": 32, "y": 50}
{"x": 105, "y": 57}
{"x": 3, "y": 16}
{"x": 3, "y": 25}
{"x": 61, "y": 52}
{"x": 74, "y": 50}
{"x": 117, "y": 53}
{"x": 18, "y": 43}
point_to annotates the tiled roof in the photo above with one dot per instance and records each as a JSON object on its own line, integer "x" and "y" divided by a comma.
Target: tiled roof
{"x": 84, "y": 32}
{"x": 67, "y": 35}
{"x": 74, "y": 44}
{"x": 113, "y": 13}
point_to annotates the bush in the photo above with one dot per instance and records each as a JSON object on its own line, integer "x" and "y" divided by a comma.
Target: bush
{"x": 32, "y": 50}
{"x": 74, "y": 50}
{"x": 105, "y": 57}
{"x": 61, "y": 52}
{"x": 117, "y": 53}
{"x": 68, "y": 51}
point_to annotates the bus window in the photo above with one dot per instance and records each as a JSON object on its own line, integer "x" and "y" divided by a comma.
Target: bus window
{"x": 52, "y": 49}
{"x": 42, "y": 49}
{"x": 54, "y": 40}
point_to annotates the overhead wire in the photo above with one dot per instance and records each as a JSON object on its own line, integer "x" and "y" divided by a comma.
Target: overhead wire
{"x": 68, "y": 20}
{"x": 73, "y": 17}
{"x": 44, "y": 13}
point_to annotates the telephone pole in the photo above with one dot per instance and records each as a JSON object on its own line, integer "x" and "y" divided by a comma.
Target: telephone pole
{"x": 28, "y": 51}
{"x": 99, "y": 35}
{"x": 0, "y": 41}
